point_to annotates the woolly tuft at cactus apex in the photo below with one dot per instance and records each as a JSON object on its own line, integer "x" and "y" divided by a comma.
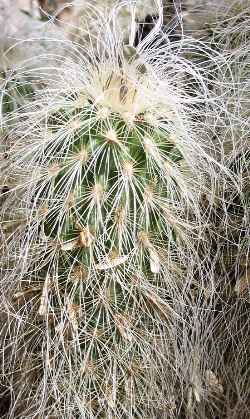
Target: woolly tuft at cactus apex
{"x": 112, "y": 168}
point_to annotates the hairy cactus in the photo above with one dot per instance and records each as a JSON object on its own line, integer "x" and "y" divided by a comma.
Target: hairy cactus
{"x": 103, "y": 229}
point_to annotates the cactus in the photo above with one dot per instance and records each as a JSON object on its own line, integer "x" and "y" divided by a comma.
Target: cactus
{"x": 14, "y": 93}
{"x": 227, "y": 31}
{"x": 103, "y": 227}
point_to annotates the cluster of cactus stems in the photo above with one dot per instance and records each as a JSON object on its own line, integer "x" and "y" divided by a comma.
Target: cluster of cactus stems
{"x": 103, "y": 233}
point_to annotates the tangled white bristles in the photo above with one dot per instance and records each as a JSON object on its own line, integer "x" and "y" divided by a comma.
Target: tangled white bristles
{"x": 116, "y": 170}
